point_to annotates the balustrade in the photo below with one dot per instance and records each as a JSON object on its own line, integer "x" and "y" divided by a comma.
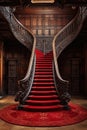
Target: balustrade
{"x": 60, "y": 42}
{"x": 27, "y": 39}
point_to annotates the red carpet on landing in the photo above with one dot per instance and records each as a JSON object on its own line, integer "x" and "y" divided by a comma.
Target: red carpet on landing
{"x": 42, "y": 107}
{"x": 56, "y": 118}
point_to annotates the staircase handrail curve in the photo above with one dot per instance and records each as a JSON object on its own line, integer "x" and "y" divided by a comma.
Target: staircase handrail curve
{"x": 26, "y": 37}
{"x": 54, "y": 44}
{"x": 25, "y": 84}
{"x": 30, "y": 65}
{"x": 60, "y": 41}
{"x": 33, "y": 42}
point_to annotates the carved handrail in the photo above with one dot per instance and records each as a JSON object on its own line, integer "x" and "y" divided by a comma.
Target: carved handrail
{"x": 19, "y": 31}
{"x": 27, "y": 39}
{"x": 60, "y": 42}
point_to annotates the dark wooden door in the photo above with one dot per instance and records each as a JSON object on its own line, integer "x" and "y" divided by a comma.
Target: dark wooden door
{"x": 12, "y": 76}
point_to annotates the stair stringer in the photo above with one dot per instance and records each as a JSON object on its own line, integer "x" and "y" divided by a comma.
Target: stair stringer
{"x": 60, "y": 42}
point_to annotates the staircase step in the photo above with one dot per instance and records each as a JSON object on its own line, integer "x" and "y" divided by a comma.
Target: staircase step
{"x": 46, "y": 57}
{"x": 48, "y": 63}
{"x": 43, "y": 76}
{"x": 44, "y": 97}
{"x": 45, "y": 86}
{"x": 42, "y": 88}
{"x": 42, "y": 103}
{"x": 47, "y": 67}
{"x": 50, "y": 92}
{"x": 41, "y": 73}
{"x": 43, "y": 70}
{"x": 42, "y": 108}
{"x": 45, "y": 64}
{"x": 43, "y": 61}
{"x": 44, "y": 79}
{"x": 43, "y": 83}
{"x": 41, "y": 64}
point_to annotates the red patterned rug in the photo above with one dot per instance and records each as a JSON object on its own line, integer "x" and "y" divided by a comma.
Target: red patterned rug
{"x": 56, "y": 118}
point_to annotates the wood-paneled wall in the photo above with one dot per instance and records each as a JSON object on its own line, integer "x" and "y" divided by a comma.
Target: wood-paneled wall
{"x": 45, "y": 21}
{"x": 73, "y": 65}
{"x": 16, "y": 58}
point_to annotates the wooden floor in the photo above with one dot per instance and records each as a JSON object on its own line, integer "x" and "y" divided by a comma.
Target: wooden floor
{"x": 10, "y": 100}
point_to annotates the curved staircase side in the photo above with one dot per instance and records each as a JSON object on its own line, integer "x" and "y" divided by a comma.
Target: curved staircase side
{"x": 61, "y": 40}
{"x": 26, "y": 38}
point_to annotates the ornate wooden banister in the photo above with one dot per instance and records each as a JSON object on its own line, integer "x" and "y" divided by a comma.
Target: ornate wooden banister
{"x": 27, "y": 39}
{"x": 60, "y": 42}
{"x": 19, "y": 31}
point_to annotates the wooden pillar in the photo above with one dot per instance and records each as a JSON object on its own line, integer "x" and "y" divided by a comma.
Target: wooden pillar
{"x": 1, "y": 69}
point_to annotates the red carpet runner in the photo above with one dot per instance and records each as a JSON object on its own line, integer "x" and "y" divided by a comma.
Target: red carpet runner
{"x": 43, "y": 96}
{"x": 42, "y": 108}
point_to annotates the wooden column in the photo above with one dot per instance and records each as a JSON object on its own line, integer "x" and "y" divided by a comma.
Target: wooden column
{"x": 1, "y": 69}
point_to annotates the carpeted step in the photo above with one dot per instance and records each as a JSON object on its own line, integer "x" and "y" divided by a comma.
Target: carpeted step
{"x": 46, "y": 79}
{"x": 42, "y": 103}
{"x": 43, "y": 79}
{"x": 50, "y": 92}
{"x": 43, "y": 108}
{"x": 43, "y": 88}
{"x": 44, "y": 61}
{"x": 43, "y": 66}
{"x": 47, "y": 64}
{"x": 38, "y": 67}
{"x": 40, "y": 97}
{"x": 43, "y": 84}
{"x": 43, "y": 76}
{"x": 46, "y": 73}
{"x": 43, "y": 70}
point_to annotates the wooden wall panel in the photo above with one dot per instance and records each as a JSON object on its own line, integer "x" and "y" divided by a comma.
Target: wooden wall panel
{"x": 16, "y": 64}
{"x": 47, "y": 22}
{"x": 72, "y": 64}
